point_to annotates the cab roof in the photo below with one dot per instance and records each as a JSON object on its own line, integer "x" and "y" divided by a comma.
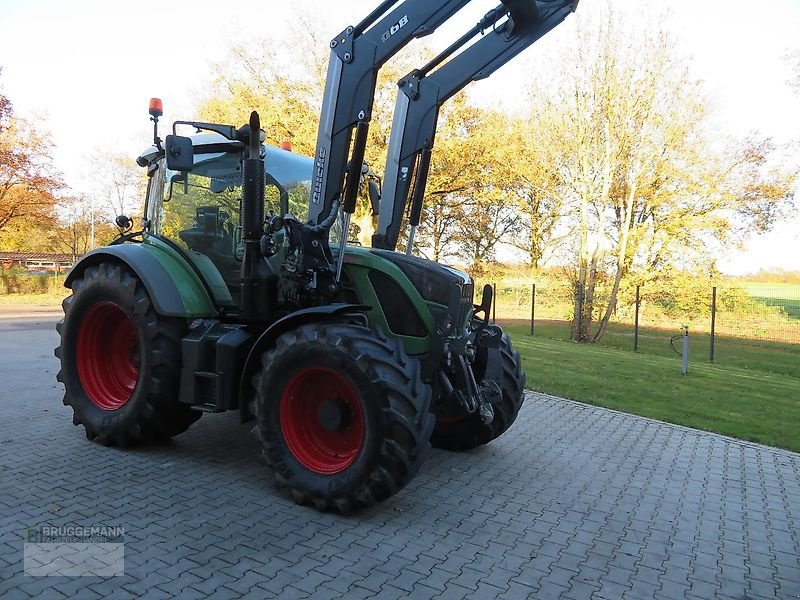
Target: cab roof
{"x": 211, "y": 148}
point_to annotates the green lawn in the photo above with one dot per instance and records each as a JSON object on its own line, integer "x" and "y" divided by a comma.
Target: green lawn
{"x": 773, "y": 290}
{"x": 784, "y": 295}
{"x": 751, "y": 405}
{"x": 742, "y": 353}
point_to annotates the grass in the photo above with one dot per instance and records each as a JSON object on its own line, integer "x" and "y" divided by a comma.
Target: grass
{"x": 773, "y": 290}
{"x": 750, "y": 405}
{"x": 745, "y": 353}
{"x": 49, "y": 299}
{"x": 784, "y": 295}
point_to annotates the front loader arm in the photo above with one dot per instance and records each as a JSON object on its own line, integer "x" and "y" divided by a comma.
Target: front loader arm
{"x": 356, "y": 56}
{"x": 510, "y": 28}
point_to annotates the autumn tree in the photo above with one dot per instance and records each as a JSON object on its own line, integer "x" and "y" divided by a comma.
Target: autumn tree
{"x": 455, "y": 175}
{"x": 488, "y": 198}
{"x": 285, "y": 88}
{"x": 487, "y": 222}
{"x": 119, "y": 186}
{"x": 27, "y": 235}
{"x": 525, "y": 167}
{"x": 644, "y": 176}
{"x": 472, "y": 194}
{"x": 28, "y": 182}
{"x": 77, "y": 229}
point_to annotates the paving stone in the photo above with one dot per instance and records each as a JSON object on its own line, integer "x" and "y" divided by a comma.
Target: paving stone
{"x": 550, "y": 591}
{"x": 762, "y": 589}
{"x": 517, "y": 590}
{"x": 343, "y": 582}
{"x": 572, "y": 502}
{"x": 453, "y": 591}
{"x": 580, "y": 589}
{"x": 641, "y": 590}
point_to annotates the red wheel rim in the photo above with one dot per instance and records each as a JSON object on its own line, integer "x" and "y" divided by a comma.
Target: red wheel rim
{"x": 107, "y": 356}
{"x": 308, "y": 394}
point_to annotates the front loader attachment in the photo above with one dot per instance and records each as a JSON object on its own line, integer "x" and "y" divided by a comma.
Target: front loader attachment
{"x": 356, "y": 56}
{"x": 506, "y": 31}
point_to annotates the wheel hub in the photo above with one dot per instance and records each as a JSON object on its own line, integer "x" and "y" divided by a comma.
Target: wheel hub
{"x": 334, "y": 415}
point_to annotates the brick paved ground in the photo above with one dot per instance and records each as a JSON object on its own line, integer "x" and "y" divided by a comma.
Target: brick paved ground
{"x": 573, "y": 502}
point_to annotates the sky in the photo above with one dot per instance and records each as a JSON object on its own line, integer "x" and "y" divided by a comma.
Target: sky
{"x": 84, "y": 70}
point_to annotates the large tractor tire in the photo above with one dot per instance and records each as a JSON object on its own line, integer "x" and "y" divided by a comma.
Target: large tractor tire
{"x": 470, "y": 432}
{"x": 120, "y": 361}
{"x": 342, "y": 414}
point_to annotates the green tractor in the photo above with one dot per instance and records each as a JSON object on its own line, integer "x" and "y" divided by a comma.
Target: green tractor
{"x": 241, "y": 291}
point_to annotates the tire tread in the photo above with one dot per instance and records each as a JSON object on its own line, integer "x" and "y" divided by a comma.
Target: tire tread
{"x": 407, "y": 422}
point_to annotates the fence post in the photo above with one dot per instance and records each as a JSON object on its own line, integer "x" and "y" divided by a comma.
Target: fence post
{"x": 580, "y": 310}
{"x": 713, "y": 321}
{"x": 533, "y": 305}
{"x": 685, "y": 366}
{"x": 636, "y": 322}
{"x": 494, "y": 303}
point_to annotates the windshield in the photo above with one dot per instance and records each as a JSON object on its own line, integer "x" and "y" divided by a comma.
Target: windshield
{"x": 208, "y": 197}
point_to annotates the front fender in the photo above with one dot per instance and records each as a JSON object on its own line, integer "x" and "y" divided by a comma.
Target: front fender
{"x": 281, "y": 326}
{"x": 174, "y": 289}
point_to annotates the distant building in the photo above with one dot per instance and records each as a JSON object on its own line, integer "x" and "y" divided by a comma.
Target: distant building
{"x": 37, "y": 261}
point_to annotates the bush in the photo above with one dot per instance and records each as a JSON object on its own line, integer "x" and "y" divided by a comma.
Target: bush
{"x": 25, "y": 283}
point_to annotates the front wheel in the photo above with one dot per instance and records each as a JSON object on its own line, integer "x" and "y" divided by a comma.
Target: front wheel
{"x": 120, "y": 361}
{"x": 342, "y": 414}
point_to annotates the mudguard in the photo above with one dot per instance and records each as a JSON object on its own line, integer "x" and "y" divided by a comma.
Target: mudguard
{"x": 281, "y": 326}
{"x": 174, "y": 288}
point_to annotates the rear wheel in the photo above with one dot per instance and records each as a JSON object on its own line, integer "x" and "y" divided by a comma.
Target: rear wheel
{"x": 120, "y": 361}
{"x": 470, "y": 431}
{"x": 342, "y": 415}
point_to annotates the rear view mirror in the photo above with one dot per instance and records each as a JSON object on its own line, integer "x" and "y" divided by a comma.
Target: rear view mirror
{"x": 179, "y": 152}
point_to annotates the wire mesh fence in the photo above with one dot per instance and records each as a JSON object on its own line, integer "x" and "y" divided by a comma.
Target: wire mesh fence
{"x": 758, "y": 327}
{"x": 754, "y": 326}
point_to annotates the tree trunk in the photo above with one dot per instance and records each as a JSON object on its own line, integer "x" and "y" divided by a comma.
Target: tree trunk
{"x": 578, "y": 326}
{"x": 437, "y": 242}
{"x": 578, "y": 296}
{"x": 584, "y": 292}
{"x": 625, "y": 225}
{"x": 534, "y": 253}
{"x": 588, "y": 300}
{"x": 612, "y": 305}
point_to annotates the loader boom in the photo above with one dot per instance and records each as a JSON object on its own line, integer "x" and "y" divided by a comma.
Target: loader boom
{"x": 356, "y": 56}
{"x": 509, "y": 29}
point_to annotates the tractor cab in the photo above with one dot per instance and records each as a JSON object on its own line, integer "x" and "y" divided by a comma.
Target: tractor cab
{"x": 199, "y": 210}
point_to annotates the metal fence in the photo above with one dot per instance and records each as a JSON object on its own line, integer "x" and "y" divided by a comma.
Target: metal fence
{"x": 754, "y": 326}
